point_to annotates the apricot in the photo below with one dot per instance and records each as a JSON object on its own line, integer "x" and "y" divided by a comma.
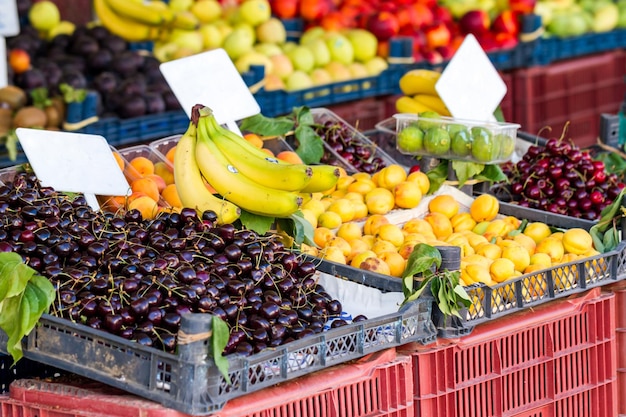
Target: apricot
{"x": 170, "y": 154}
{"x": 170, "y": 195}
{"x": 444, "y": 204}
{"x": 163, "y": 170}
{"x": 158, "y": 180}
{"x": 254, "y": 139}
{"x": 142, "y": 165}
{"x": 145, "y": 205}
{"x": 289, "y": 156}
{"x": 147, "y": 186}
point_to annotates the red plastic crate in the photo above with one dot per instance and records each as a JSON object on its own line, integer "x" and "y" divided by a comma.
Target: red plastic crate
{"x": 362, "y": 114}
{"x": 533, "y": 363}
{"x": 380, "y": 384}
{"x": 577, "y": 91}
{"x": 620, "y": 322}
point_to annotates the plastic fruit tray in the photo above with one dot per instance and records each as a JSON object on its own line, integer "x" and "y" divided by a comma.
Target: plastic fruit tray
{"x": 189, "y": 382}
{"x": 558, "y": 360}
{"x": 377, "y": 385}
{"x": 453, "y": 138}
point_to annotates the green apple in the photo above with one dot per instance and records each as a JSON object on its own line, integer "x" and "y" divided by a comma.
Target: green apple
{"x": 255, "y": 12}
{"x": 358, "y": 70}
{"x": 376, "y": 65}
{"x": 340, "y": 48}
{"x": 605, "y": 18}
{"x": 321, "y": 76}
{"x": 298, "y": 80}
{"x": 44, "y": 15}
{"x": 338, "y": 71}
{"x": 315, "y": 32}
{"x": 253, "y": 57}
{"x": 189, "y": 39}
{"x": 320, "y": 51}
{"x": 272, "y": 31}
{"x": 238, "y": 42}
{"x": 568, "y": 23}
{"x": 410, "y": 139}
{"x": 206, "y": 11}
{"x": 180, "y": 5}
{"x": 302, "y": 58}
{"x": 364, "y": 44}
{"x": 212, "y": 37}
{"x": 268, "y": 49}
{"x": 282, "y": 66}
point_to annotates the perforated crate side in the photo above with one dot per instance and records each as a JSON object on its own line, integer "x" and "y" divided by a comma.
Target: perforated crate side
{"x": 24, "y": 368}
{"x": 520, "y": 363}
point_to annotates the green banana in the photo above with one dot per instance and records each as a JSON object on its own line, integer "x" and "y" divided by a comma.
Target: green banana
{"x": 233, "y": 185}
{"x": 254, "y": 163}
{"x": 190, "y": 184}
{"x": 323, "y": 179}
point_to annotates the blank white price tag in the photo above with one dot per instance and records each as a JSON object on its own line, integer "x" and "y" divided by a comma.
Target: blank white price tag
{"x": 73, "y": 162}
{"x": 9, "y": 20}
{"x": 211, "y": 79}
{"x": 470, "y": 85}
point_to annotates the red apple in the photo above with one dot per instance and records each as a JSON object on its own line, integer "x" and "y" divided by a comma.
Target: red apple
{"x": 437, "y": 35}
{"x": 383, "y": 25}
{"x": 425, "y": 15}
{"x": 506, "y": 22}
{"x": 315, "y": 9}
{"x": 441, "y": 14}
{"x": 475, "y": 22}
{"x": 522, "y": 6}
{"x": 506, "y": 40}
{"x": 446, "y": 52}
{"x": 284, "y": 9}
{"x": 388, "y": 6}
{"x": 487, "y": 41}
{"x": 432, "y": 56}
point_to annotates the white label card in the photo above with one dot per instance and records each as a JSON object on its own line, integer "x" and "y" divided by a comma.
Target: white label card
{"x": 4, "y": 74}
{"x": 73, "y": 162}
{"x": 211, "y": 79}
{"x": 9, "y": 20}
{"x": 470, "y": 85}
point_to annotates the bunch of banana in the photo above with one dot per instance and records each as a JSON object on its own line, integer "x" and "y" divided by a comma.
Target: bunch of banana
{"x": 420, "y": 95}
{"x": 138, "y": 21}
{"x": 244, "y": 176}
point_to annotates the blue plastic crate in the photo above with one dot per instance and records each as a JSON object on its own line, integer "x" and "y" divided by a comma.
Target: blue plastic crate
{"x": 550, "y": 49}
{"x": 294, "y": 28}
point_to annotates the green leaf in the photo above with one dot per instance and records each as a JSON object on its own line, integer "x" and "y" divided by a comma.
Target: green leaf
{"x": 71, "y": 94}
{"x": 267, "y": 126}
{"x": 11, "y": 312}
{"x": 14, "y": 275}
{"x": 463, "y": 295}
{"x": 303, "y": 116}
{"x": 310, "y": 146}
{"x": 260, "y": 224}
{"x": 492, "y": 173}
{"x": 303, "y": 230}
{"x": 498, "y": 114}
{"x": 466, "y": 170}
{"x": 40, "y": 97}
{"x": 218, "y": 344}
{"x": 45, "y": 292}
{"x": 421, "y": 260}
{"x": 437, "y": 176}
{"x": 610, "y": 240}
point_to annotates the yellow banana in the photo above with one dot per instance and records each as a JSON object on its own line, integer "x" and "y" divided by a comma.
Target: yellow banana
{"x": 127, "y": 29}
{"x": 190, "y": 184}
{"x": 184, "y": 20}
{"x": 254, "y": 163}
{"x": 166, "y": 13}
{"x": 434, "y": 102}
{"x": 139, "y": 12}
{"x": 236, "y": 187}
{"x": 323, "y": 179}
{"x": 419, "y": 81}
{"x": 406, "y": 104}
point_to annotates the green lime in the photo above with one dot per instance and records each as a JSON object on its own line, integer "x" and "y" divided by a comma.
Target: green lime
{"x": 461, "y": 143}
{"x": 427, "y": 119}
{"x": 483, "y": 145}
{"x": 455, "y": 127}
{"x": 437, "y": 141}
{"x": 410, "y": 139}
{"x": 507, "y": 145}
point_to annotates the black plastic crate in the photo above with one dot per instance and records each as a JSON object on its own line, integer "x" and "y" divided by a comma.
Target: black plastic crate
{"x": 189, "y": 382}
{"x": 24, "y": 368}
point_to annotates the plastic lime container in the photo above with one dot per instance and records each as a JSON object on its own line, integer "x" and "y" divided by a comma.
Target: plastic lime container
{"x": 451, "y": 138}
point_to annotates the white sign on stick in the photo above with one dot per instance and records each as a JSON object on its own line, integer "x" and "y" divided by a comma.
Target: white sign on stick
{"x": 9, "y": 19}
{"x": 470, "y": 85}
{"x": 4, "y": 74}
{"x": 211, "y": 79}
{"x": 73, "y": 162}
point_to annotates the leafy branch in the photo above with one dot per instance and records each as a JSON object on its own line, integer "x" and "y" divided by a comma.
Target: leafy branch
{"x": 24, "y": 297}
{"x": 464, "y": 171}
{"x": 425, "y": 262}
{"x": 606, "y": 232}
{"x": 300, "y": 123}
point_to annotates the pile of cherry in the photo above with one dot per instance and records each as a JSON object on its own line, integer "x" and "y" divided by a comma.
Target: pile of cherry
{"x": 136, "y": 278}
{"x": 563, "y": 179}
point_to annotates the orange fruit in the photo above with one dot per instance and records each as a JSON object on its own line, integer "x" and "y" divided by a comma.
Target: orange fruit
{"x": 379, "y": 201}
{"x": 373, "y": 223}
{"x": 254, "y": 139}
{"x": 537, "y": 231}
{"x": 142, "y": 165}
{"x": 407, "y": 194}
{"x": 420, "y": 178}
{"x": 170, "y": 195}
{"x": 444, "y": 204}
{"x": 485, "y": 207}
{"x": 289, "y": 156}
{"x": 395, "y": 262}
{"x": 577, "y": 241}
{"x": 440, "y": 223}
{"x": 391, "y": 175}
